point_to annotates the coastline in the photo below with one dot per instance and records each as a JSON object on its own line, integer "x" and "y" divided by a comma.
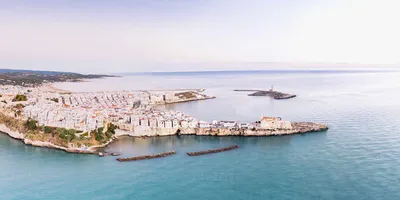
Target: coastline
{"x": 151, "y": 131}
{"x": 50, "y": 87}
{"x": 317, "y": 127}
{"x": 20, "y": 136}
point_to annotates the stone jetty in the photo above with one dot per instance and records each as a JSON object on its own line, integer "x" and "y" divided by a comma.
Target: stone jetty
{"x": 199, "y": 153}
{"x": 146, "y": 157}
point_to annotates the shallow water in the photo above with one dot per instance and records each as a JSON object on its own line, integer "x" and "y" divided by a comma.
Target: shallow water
{"x": 357, "y": 158}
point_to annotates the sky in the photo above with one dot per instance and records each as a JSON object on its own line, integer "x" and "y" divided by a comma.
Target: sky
{"x": 192, "y": 35}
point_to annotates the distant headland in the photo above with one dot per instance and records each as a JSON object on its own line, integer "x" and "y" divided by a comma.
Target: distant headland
{"x": 29, "y": 78}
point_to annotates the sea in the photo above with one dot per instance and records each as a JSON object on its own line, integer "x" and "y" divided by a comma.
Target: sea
{"x": 357, "y": 158}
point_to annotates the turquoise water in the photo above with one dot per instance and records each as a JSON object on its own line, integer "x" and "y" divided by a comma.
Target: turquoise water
{"x": 357, "y": 158}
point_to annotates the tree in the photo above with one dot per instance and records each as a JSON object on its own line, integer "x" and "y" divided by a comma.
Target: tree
{"x": 67, "y": 134}
{"x": 98, "y": 135}
{"x": 48, "y": 129}
{"x": 111, "y": 128}
{"x": 20, "y": 97}
{"x": 19, "y": 106}
{"x": 31, "y": 124}
{"x": 54, "y": 99}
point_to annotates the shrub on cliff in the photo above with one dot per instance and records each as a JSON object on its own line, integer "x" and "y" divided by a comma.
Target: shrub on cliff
{"x": 109, "y": 134}
{"x": 48, "y": 129}
{"x": 84, "y": 135}
{"x": 19, "y": 106}
{"x": 54, "y": 99}
{"x": 20, "y": 97}
{"x": 111, "y": 128}
{"x": 67, "y": 134}
{"x": 98, "y": 134}
{"x": 31, "y": 124}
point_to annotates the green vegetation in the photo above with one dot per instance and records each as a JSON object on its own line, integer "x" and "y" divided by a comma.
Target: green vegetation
{"x": 48, "y": 129}
{"x": 31, "y": 124}
{"x": 32, "y": 78}
{"x": 98, "y": 134}
{"x": 103, "y": 137}
{"x": 20, "y": 97}
{"x": 18, "y": 113}
{"x": 58, "y": 136}
{"x": 67, "y": 134}
{"x": 19, "y": 106}
{"x": 13, "y": 123}
{"x": 84, "y": 135}
{"x": 54, "y": 99}
{"x": 186, "y": 95}
{"x": 111, "y": 128}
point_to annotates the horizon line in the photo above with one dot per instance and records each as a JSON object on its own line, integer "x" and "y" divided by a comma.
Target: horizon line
{"x": 264, "y": 70}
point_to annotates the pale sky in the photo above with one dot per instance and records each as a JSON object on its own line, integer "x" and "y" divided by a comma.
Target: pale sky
{"x": 166, "y": 35}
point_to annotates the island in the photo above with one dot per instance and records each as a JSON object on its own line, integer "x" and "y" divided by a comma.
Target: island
{"x": 271, "y": 92}
{"x": 83, "y": 122}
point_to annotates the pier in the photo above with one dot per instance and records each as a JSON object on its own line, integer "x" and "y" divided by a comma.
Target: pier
{"x": 146, "y": 157}
{"x": 199, "y": 153}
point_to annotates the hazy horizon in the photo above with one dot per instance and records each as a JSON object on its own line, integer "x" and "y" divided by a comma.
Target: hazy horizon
{"x": 133, "y": 36}
{"x": 253, "y": 68}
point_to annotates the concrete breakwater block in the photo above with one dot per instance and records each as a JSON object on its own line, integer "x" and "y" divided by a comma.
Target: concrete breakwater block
{"x": 199, "y": 153}
{"x": 159, "y": 155}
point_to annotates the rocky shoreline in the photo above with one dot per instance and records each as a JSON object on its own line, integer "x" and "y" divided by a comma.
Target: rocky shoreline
{"x": 298, "y": 128}
{"x": 20, "y": 136}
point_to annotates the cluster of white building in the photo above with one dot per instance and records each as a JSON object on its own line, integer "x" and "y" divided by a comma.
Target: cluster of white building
{"x": 88, "y": 111}
{"x": 127, "y": 109}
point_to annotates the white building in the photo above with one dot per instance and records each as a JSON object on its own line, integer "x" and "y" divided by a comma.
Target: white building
{"x": 244, "y": 125}
{"x": 153, "y": 122}
{"x": 184, "y": 124}
{"x": 194, "y": 124}
{"x": 228, "y": 124}
{"x": 135, "y": 121}
{"x": 204, "y": 124}
{"x": 175, "y": 123}
{"x": 160, "y": 123}
{"x": 168, "y": 124}
{"x": 144, "y": 122}
{"x": 274, "y": 123}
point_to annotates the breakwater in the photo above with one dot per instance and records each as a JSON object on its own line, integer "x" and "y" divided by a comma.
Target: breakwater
{"x": 199, "y": 153}
{"x": 146, "y": 157}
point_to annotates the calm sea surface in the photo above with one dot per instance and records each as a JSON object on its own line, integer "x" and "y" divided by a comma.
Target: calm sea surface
{"x": 358, "y": 158}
